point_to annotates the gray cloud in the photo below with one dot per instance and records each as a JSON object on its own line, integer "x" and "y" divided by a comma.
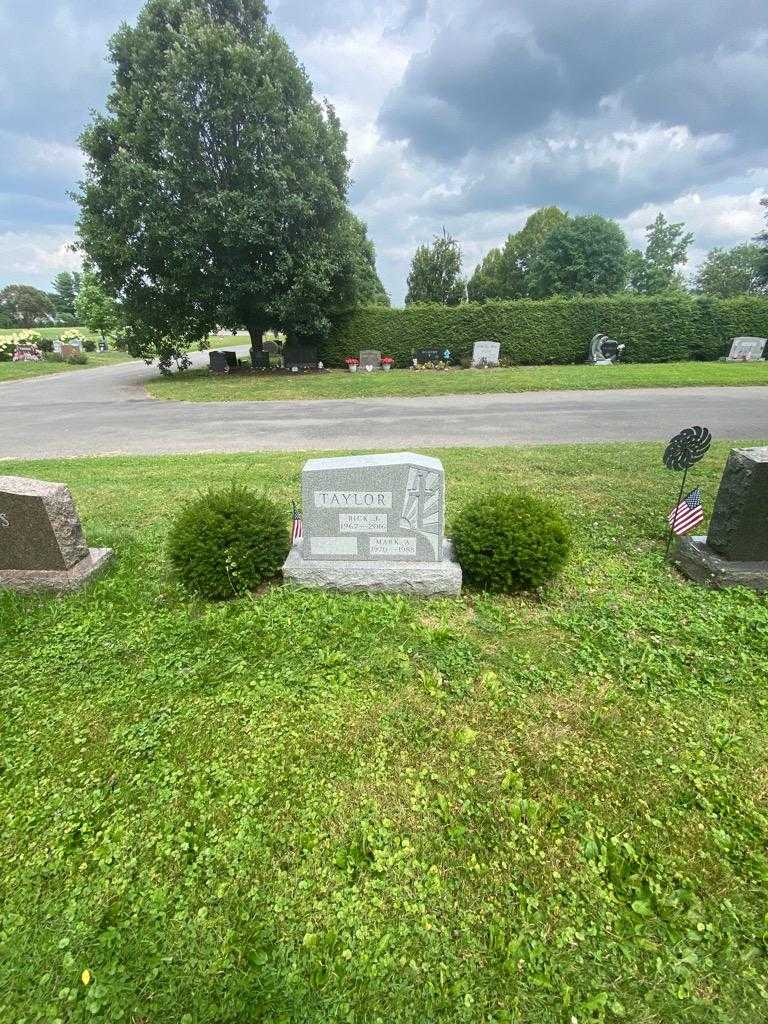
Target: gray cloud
{"x": 498, "y": 70}
{"x": 463, "y": 113}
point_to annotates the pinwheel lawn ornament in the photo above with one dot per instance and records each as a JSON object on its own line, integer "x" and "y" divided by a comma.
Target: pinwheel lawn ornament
{"x": 684, "y": 451}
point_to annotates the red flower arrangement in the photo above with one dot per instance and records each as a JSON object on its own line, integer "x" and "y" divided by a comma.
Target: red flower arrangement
{"x": 351, "y": 361}
{"x": 387, "y": 361}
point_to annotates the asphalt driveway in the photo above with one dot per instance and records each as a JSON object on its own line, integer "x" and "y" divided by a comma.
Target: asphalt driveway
{"x": 106, "y": 411}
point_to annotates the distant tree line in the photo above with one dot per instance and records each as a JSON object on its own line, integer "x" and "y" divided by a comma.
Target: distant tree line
{"x": 555, "y": 254}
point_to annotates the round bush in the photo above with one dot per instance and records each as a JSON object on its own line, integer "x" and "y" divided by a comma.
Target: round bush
{"x": 508, "y": 542}
{"x": 227, "y": 542}
{"x": 89, "y": 345}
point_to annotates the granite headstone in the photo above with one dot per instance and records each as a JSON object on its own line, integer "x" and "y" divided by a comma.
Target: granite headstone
{"x": 427, "y": 355}
{"x": 485, "y": 353}
{"x": 746, "y": 350}
{"x": 735, "y": 550}
{"x": 302, "y": 356}
{"x": 42, "y": 546}
{"x": 370, "y": 358}
{"x": 259, "y": 360}
{"x": 374, "y": 522}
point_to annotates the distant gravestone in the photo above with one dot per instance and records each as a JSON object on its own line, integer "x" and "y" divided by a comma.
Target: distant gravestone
{"x": 427, "y": 355}
{"x": 374, "y": 522}
{"x": 302, "y": 356}
{"x": 68, "y": 350}
{"x": 604, "y": 351}
{"x": 485, "y": 353}
{"x": 259, "y": 360}
{"x": 370, "y": 358}
{"x": 217, "y": 362}
{"x": 735, "y": 550}
{"x": 746, "y": 350}
{"x": 103, "y": 346}
{"x": 42, "y": 546}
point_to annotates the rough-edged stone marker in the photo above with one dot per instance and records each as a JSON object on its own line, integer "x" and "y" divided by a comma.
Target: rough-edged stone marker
{"x": 485, "y": 353}
{"x": 374, "y": 522}
{"x": 370, "y": 358}
{"x": 746, "y": 350}
{"x": 42, "y": 546}
{"x": 735, "y": 550}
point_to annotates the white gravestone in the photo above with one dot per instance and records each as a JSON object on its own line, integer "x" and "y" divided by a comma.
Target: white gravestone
{"x": 374, "y": 522}
{"x": 746, "y": 350}
{"x": 485, "y": 353}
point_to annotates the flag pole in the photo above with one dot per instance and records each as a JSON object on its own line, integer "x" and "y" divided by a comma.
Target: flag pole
{"x": 677, "y": 510}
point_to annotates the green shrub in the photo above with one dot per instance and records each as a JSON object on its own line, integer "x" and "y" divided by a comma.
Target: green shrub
{"x": 78, "y": 359}
{"x": 507, "y": 542}
{"x": 227, "y": 542}
{"x": 89, "y": 344}
{"x": 533, "y": 332}
{"x": 7, "y": 348}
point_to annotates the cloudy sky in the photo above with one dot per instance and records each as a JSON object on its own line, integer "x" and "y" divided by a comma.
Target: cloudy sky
{"x": 467, "y": 114}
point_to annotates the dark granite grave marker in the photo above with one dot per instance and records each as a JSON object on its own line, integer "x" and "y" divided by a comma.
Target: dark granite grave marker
{"x": 259, "y": 360}
{"x": 42, "y": 546}
{"x": 735, "y": 551}
{"x": 427, "y": 355}
{"x": 303, "y": 356}
{"x": 217, "y": 362}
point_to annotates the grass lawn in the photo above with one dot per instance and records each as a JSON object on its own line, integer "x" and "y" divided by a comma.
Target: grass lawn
{"x": 305, "y": 807}
{"x": 201, "y": 386}
{"x": 22, "y": 371}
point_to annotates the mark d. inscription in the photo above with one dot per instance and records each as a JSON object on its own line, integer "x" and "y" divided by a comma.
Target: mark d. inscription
{"x": 353, "y": 499}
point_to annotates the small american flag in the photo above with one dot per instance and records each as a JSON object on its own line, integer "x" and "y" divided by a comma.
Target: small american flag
{"x": 297, "y": 527}
{"x": 687, "y": 514}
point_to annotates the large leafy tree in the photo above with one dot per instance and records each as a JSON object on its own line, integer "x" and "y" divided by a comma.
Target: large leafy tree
{"x": 96, "y": 309}
{"x": 762, "y": 240}
{"x": 658, "y": 269}
{"x": 26, "y": 306}
{"x": 357, "y": 282}
{"x": 215, "y": 188}
{"x": 580, "y": 256}
{"x": 66, "y": 285}
{"x": 730, "y": 272}
{"x": 505, "y": 273}
{"x": 435, "y": 274}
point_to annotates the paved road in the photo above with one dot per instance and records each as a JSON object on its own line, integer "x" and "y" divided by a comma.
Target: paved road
{"x": 107, "y": 411}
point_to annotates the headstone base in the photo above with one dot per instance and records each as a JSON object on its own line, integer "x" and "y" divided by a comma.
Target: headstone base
{"x": 425, "y": 579}
{"x": 29, "y": 581}
{"x": 699, "y": 562}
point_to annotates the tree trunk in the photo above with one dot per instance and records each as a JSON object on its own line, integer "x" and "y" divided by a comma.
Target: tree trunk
{"x": 256, "y": 332}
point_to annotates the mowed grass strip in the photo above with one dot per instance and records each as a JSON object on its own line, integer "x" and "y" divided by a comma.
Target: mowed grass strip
{"x": 306, "y": 807}
{"x": 25, "y": 371}
{"x": 201, "y": 386}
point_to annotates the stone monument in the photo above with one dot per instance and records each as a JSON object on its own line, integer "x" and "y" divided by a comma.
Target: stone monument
{"x": 374, "y": 522}
{"x": 42, "y": 546}
{"x": 735, "y": 550}
{"x": 370, "y": 358}
{"x": 746, "y": 350}
{"x": 302, "y": 356}
{"x": 485, "y": 353}
{"x": 604, "y": 351}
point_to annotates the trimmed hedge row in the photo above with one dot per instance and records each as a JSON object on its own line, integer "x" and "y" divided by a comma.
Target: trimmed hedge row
{"x": 533, "y": 332}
